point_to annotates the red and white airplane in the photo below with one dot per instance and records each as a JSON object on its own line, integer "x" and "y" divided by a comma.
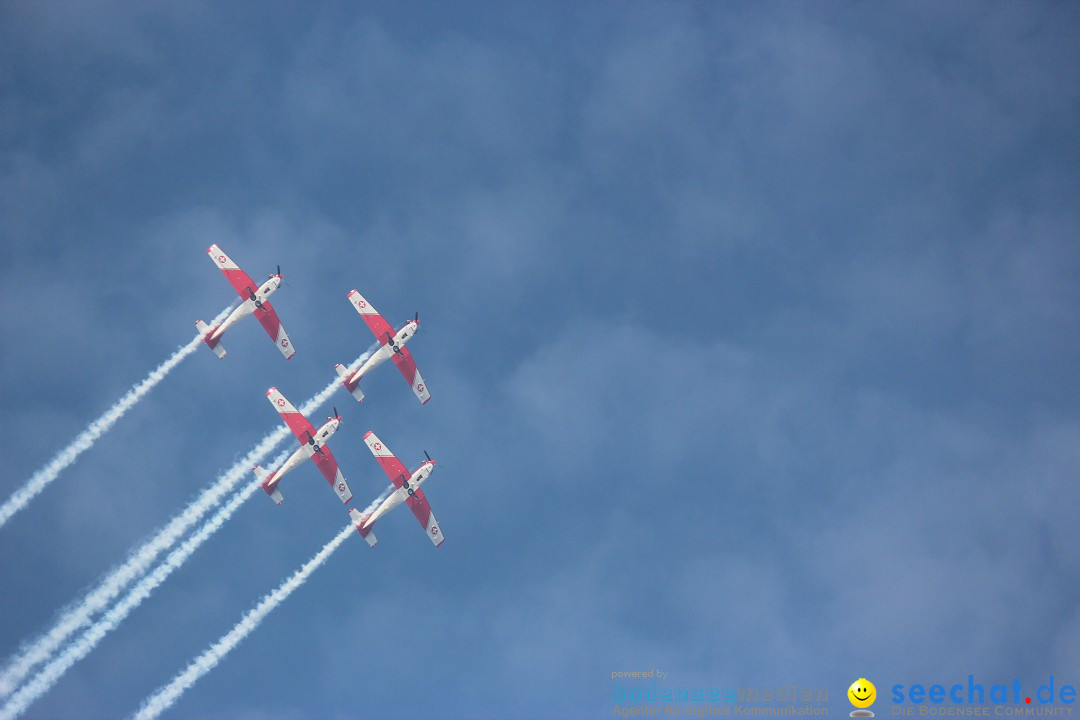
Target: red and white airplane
{"x": 255, "y": 301}
{"x": 393, "y": 347}
{"x": 408, "y": 489}
{"x": 312, "y": 445}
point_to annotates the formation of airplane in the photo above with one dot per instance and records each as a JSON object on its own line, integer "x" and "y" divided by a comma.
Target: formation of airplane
{"x": 256, "y": 300}
{"x": 408, "y": 490}
{"x": 313, "y": 441}
{"x": 393, "y": 347}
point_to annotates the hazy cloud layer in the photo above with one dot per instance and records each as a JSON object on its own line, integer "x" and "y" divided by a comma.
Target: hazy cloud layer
{"x": 750, "y": 330}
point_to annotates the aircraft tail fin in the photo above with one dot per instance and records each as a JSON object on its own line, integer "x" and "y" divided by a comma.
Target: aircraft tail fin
{"x": 215, "y": 345}
{"x": 352, "y": 387}
{"x": 368, "y": 533}
{"x": 268, "y": 487}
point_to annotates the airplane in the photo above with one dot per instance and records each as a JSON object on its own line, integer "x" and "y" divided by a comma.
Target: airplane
{"x": 393, "y": 346}
{"x": 255, "y": 301}
{"x": 312, "y": 445}
{"x": 408, "y": 489}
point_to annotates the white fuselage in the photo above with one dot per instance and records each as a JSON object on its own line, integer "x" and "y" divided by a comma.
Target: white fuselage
{"x": 248, "y": 306}
{"x": 398, "y": 496}
{"x": 385, "y": 352}
{"x": 305, "y": 451}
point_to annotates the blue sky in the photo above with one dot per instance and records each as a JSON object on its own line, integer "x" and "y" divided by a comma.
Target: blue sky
{"x": 750, "y": 329}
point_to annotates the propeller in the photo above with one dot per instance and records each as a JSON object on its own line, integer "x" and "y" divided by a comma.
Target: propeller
{"x": 428, "y": 456}
{"x": 279, "y": 276}
{"x": 336, "y": 412}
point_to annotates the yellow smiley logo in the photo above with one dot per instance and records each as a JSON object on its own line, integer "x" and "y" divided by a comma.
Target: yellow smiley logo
{"x": 862, "y": 693}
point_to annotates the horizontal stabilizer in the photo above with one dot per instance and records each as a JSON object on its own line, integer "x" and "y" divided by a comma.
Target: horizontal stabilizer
{"x": 368, "y": 533}
{"x": 264, "y": 482}
{"x": 353, "y": 388}
{"x": 214, "y": 345}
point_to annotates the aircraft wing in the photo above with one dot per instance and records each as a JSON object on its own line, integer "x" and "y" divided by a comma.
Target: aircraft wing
{"x": 268, "y": 318}
{"x": 328, "y": 465}
{"x": 371, "y": 316}
{"x": 239, "y": 279}
{"x": 393, "y": 468}
{"x": 405, "y": 363}
{"x": 419, "y": 505}
{"x": 301, "y": 428}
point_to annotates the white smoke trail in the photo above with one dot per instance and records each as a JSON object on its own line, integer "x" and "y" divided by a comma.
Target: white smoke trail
{"x": 138, "y": 562}
{"x": 166, "y": 696}
{"x": 80, "y": 615}
{"x": 80, "y": 648}
{"x": 85, "y": 440}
